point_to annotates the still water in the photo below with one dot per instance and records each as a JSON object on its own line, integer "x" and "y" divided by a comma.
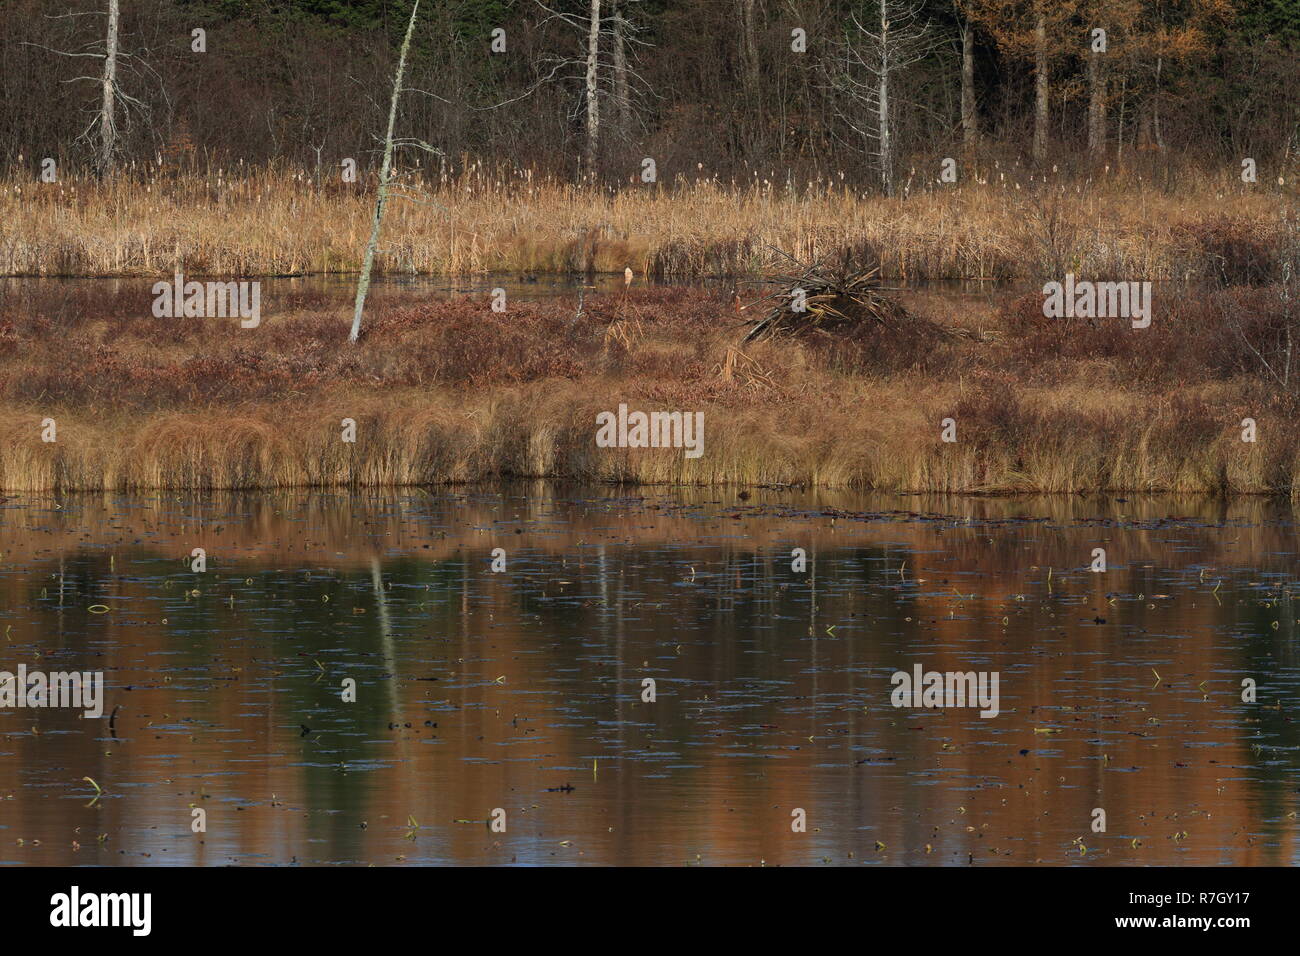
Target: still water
{"x": 519, "y": 694}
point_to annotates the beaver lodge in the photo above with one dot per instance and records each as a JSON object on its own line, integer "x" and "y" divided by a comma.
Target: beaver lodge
{"x": 846, "y": 300}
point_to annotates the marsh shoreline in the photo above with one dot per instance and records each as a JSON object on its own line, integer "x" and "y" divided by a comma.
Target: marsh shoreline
{"x": 449, "y": 392}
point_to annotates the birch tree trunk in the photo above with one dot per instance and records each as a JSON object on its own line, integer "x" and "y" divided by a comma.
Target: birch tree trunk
{"x": 107, "y": 120}
{"x": 882, "y": 104}
{"x": 1040, "y": 83}
{"x": 969, "y": 118}
{"x": 593, "y": 100}
{"x": 385, "y": 174}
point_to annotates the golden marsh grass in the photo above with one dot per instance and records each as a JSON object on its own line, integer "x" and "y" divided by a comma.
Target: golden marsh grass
{"x": 452, "y": 392}
{"x": 273, "y": 220}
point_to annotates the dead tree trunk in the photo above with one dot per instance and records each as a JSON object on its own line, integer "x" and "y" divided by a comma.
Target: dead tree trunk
{"x": 969, "y": 118}
{"x": 1096, "y": 106}
{"x": 1040, "y": 83}
{"x": 872, "y": 54}
{"x": 882, "y": 104}
{"x": 749, "y": 51}
{"x": 107, "y": 117}
{"x": 385, "y": 174}
{"x": 622, "y": 100}
{"x": 593, "y": 97}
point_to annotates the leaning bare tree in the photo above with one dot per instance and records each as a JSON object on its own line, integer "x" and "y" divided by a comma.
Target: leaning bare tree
{"x": 385, "y": 178}
{"x": 868, "y": 59}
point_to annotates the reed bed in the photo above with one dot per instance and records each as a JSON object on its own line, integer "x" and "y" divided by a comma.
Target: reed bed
{"x": 536, "y": 433}
{"x": 1000, "y": 222}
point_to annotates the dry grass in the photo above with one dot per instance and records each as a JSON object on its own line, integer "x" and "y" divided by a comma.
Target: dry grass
{"x": 451, "y": 392}
{"x": 1000, "y": 222}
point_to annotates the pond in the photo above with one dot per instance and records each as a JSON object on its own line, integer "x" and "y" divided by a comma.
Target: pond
{"x": 464, "y": 676}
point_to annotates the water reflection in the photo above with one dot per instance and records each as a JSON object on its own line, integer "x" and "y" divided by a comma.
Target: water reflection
{"x": 522, "y": 689}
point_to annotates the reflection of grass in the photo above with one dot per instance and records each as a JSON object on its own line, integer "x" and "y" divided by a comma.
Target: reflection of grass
{"x": 450, "y": 391}
{"x": 754, "y": 681}
{"x": 275, "y": 221}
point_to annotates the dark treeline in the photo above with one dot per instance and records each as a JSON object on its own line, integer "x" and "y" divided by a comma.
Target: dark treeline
{"x": 735, "y": 87}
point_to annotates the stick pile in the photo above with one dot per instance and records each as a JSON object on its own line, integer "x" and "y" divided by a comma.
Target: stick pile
{"x": 822, "y": 300}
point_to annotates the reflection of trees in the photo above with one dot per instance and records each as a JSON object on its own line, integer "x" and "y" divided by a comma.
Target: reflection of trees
{"x": 759, "y": 706}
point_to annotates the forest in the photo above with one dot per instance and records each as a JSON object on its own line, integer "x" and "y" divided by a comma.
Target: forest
{"x": 737, "y": 89}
